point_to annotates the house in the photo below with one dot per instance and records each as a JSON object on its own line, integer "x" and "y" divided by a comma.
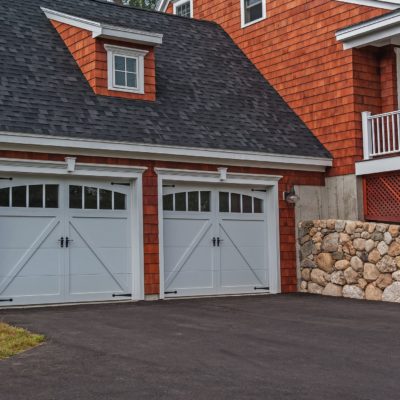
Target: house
{"x": 336, "y": 63}
{"x": 142, "y": 155}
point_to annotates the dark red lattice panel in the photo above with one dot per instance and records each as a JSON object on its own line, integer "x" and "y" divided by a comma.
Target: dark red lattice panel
{"x": 382, "y": 197}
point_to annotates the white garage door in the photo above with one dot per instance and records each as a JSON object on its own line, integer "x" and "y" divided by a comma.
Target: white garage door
{"x": 64, "y": 241}
{"x": 214, "y": 241}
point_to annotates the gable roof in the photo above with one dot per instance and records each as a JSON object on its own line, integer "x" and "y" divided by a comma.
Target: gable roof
{"x": 209, "y": 95}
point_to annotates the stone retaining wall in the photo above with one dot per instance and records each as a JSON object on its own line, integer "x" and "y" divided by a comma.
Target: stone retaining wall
{"x": 355, "y": 259}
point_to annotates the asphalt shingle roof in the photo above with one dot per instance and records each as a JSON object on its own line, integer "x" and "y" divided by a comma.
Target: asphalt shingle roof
{"x": 209, "y": 95}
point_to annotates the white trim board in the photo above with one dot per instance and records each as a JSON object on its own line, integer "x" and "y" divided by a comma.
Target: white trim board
{"x": 387, "y": 5}
{"x": 24, "y": 142}
{"x": 266, "y": 181}
{"x": 377, "y": 32}
{"x": 378, "y": 165}
{"x": 105, "y": 30}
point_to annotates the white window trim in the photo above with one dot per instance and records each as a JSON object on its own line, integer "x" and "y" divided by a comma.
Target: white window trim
{"x": 267, "y": 182}
{"x": 388, "y": 4}
{"x": 178, "y": 3}
{"x": 242, "y": 14}
{"x": 125, "y": 52}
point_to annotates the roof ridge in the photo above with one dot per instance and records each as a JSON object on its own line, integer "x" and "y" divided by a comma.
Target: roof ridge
{"x": 109, "y": 3}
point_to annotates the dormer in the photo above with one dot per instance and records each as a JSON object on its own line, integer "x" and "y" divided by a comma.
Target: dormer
{"x": 116, "y": 61}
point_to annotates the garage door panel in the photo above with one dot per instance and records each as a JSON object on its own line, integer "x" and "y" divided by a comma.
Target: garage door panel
{"x": 194, "y": 279}
{"x": 232, "y": 258}
{"x": 82, "y": 260}
{"x": 36, "y": 267}
{"x": 39, "y": 285}
{"x": 104, "y": 232}
{"x": 98, "y": 283}
{"x": 21, "y": 232}
{"x": 181, "y": 232}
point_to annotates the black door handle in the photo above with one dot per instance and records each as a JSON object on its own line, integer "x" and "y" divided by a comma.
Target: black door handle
{"x": 219, "y": 241}
{"x": 214, "y": 241}
{"x": 61, "y": 240}
{"x": 67, "y": 241}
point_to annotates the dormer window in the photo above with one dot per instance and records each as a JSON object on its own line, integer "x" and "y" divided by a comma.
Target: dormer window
{"x": 183, "y": 8}
{"x": 252, "y": 11}
{"x": 125, "y": 69}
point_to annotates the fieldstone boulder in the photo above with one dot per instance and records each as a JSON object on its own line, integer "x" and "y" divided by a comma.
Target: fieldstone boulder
{"x": 382, "y": 227}
{"x": 341, "y": 265}
{"x": 374, "y": 256}
{"x": 340, "y": 225}
{"x": 382, "y": 248}
{"x": 303, "y": 287}
{"x": 338, "y": 278}
{"x": 370, "y": 226}
{"x": 371, "y": 272}
{"x": 331, "y": 242}
{"x": 362, "y": 283}
{"x": 318, "y": 276}
{"x": 359, "y": 244}
{"x": 384, "y": 280}
{"x": 350, "y": 227}
{"x": 394, "y": 249}
{"x": 304, "y": 227}
{"x": 307, "y": 263}
{"x": 332, "y": 290}
{"x": 356, "y": 263}
{"x": 392, "y": 293}
{"x": 350, "y": 275}
{"x": 394, "y": 230}
{"x": 344, "y": 238}
{"x": 306, "y": 274}
{"x": 314, "y": 288}
{"x": 396, "y": 275}
{"x": 306, "y": 249}
{"x": 325, "y": 262}
{"x": 317, "y": 238}
{"x": 377, "y": 236}
{"x": 387, "y": 237}
{"x": 387, "y": 264}
{"x": 353, "y": 292}
{"x": 369, "y": 245}
{"x": 373, "y": 293}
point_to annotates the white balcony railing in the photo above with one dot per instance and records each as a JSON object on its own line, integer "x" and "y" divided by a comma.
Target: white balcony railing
{"x": 381, "y": 134}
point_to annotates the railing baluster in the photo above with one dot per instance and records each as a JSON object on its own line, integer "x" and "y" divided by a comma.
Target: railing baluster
{"x": 373, "y": 136}
{"x": 383, "y": 136}
{"x": 388, "y": 133}
{"x": 392, "y": 138}
{"x": 378, "y": 136}
{"x": 398, "y": 133}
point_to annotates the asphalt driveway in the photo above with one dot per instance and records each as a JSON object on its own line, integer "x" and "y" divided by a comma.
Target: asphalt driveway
{"x": 264, "y": 347}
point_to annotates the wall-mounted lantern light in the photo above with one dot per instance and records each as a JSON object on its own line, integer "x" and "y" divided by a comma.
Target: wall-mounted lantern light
{"x": 291, "y": 197}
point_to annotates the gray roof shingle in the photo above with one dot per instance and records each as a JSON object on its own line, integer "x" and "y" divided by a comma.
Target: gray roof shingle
{"x": 209, "y": 95}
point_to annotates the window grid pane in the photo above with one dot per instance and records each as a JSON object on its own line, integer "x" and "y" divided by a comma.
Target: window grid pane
{"x": 5, "y": 197}
{"x": 19, "y": 196}
{"x": 183, "y": 10}
{"x": 36, "y": 196}
{"x": 51, "y": 196}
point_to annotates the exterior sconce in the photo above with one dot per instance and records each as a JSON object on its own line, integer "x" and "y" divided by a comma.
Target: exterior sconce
{"x": 222, "y": 173}
{"x": 291, "y": 197}
{"x": 71, "y": 163}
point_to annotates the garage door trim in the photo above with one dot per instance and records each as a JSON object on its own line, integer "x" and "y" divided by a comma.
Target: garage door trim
{"x": 131, "y": 175}
{"x": 269, "y": 183}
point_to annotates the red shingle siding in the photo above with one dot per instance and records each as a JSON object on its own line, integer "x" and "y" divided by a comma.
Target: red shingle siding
{"x": 91, "y": 57}
{"x": 150, "y": 209}
{"x": 295, "y": 48}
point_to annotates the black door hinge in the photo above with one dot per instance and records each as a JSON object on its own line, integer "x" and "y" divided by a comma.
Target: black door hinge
{"x": 3, "y": 300}
{"x": 259, "y": 190}
{"x": 172, "y": 186}
{"x": 261, "y": 288}
{"x": 122, "y": 295}
{"x": 6, "y": 179}
{"x": 172, "y": 292}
